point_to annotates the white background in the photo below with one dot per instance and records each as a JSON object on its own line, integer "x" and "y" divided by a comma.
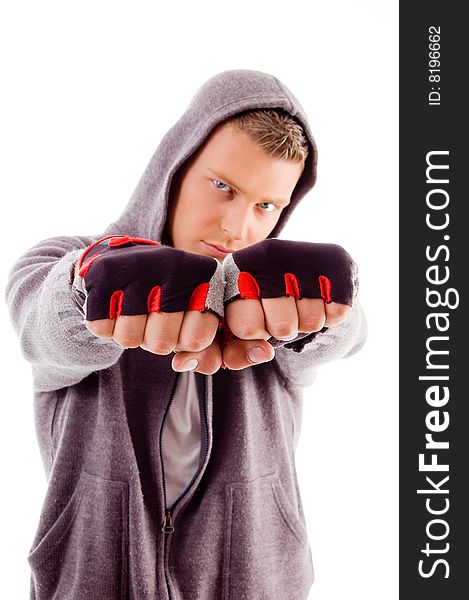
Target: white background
{"x": 89, "y": 88}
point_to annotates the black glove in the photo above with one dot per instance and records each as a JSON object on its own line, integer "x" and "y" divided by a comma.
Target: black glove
{"x": 274, "y": 268}
{"x": 125, "y": 275}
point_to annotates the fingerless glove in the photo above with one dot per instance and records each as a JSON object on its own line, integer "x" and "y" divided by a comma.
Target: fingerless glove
{"x": 274, "y": 268}
{"x": 125, "y": 275}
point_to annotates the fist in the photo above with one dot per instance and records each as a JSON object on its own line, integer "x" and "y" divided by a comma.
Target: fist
{"x": 141, "y": 293}
{"x": 279, "y": 288}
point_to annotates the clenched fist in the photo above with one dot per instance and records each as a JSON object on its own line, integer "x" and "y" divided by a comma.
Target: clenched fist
{"x": 278, "y": 289}
{"x": 141, "y": 293}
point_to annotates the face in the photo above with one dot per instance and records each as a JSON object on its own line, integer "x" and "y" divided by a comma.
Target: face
{"x": 230, "y": 196}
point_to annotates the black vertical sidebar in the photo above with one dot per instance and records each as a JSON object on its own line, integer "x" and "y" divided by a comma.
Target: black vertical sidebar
{"x": 434, "y": 329}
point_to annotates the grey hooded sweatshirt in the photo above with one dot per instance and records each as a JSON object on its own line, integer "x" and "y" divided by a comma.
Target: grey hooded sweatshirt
{"x": 238, "y": 530}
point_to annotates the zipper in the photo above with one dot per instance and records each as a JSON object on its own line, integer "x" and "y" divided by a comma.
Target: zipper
{"x": 168, "y": 522}
{"x": 168, "y": 406}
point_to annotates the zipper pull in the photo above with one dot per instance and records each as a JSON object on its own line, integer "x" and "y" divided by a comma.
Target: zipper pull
{"x": 167, "y": 523}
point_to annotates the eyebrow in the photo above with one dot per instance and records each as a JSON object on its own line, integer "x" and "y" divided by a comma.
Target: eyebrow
{"x": 222, "y": 177}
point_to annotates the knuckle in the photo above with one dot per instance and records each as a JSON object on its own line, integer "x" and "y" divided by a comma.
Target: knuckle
{"x": 194, "y": 342}
{"x": 91, "y": 327}
{"x": 98, "y": 328}
{"x": 338, "y": 309}
{"x": 245, "y": 331}
{"x": 159, "y": 347}
{"x": 311, "y": 325}
{"x": 129, "y": 330}
{"x": 343, "y": 310}
{"x": 283, "y": 330}
{"x": 338, "y": 312}
{"x": 337, "y": 315}
{"x": 128, "y": 340}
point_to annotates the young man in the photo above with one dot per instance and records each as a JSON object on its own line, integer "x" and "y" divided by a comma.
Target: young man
{"x": 183, "y": 485}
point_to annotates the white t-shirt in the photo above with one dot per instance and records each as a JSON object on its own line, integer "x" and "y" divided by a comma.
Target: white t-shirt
{"x": 181, "y": 438}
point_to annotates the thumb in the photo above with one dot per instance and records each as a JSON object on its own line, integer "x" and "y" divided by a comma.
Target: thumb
{"x": 239, "y": 354}
{"x": 207, "y": 361}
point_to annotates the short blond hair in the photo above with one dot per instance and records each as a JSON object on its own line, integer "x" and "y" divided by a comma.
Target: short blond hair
{"x": 275, "y": 131}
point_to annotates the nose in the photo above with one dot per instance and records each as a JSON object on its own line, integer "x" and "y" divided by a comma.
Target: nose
{"x": 235, "y": 221}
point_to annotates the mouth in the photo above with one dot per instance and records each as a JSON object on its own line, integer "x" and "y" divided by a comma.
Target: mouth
{"x": 216, "y": 250}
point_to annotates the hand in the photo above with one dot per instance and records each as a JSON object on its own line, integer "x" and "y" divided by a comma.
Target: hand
{"x": 282, "y": 318}
{"x": 159, "y": 333}
{"x": 280, "y": 288}
{"x": 277, "y": 289}
{"x": 236, "y": 355}
{"x": 253, "y": 323}
{"x": 254, "y": 312}
{"x": 135, "y": 287}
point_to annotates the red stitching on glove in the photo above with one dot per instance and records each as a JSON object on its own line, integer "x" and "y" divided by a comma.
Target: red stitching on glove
{"x": 154, "y": 300}
{"x": 115, "y": 304}
{"x": 116, "y": 240}
{"x": 291, "y": 285}
{"x": 125, "y": 239}
{"x": 80, "y": 262}
{"x": 248, "y": 286}
{"x": 325, "y": 287}
{"x": 199, "y": 297}
{"x": 84, "y": 268}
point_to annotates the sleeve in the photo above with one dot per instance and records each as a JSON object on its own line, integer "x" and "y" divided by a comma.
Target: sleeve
{"x": 47, "y": 314}
{"x": 298, "y": 360}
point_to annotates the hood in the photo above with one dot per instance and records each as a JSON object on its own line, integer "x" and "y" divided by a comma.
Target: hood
{"x": 219, "y": 98}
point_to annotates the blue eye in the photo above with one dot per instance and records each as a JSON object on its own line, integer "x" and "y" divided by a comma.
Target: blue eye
{"x": 267, "y": 206}
{"x": 221, "y": 186}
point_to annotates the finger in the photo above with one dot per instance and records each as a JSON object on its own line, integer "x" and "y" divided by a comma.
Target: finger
{"x": 281, "y": 317}
{"x": 239, "y": 354}
{"x": 336, "y": 313}
{"x": 197, "y": 332}
{"x": 128, "y": 330}
{"x": 101, "y": 327}
{"x": 162, "y": 332}
{"x": 311, "y": 314}
{"x": 208, "y": 361}
{"x": 245, "y": 318}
